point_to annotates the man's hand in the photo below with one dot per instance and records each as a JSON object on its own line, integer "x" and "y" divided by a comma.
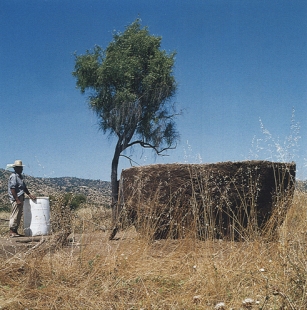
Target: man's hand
{"x": 32, "y": 197}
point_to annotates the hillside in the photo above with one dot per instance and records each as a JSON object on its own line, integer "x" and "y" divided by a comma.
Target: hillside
{"x": 96, "y": 191}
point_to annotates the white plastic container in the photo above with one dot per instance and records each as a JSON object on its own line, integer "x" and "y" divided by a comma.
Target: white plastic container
{"x": 36, "y": 215}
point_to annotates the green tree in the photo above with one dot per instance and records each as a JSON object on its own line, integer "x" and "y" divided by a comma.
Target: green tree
{"x": 130, "y": 85}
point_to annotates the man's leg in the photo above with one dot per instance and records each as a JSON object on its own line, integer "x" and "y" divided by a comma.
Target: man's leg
{"x": 15, "y": 218}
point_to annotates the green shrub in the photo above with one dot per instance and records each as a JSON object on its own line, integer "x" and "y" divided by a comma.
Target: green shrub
{"x": 76, "y": 201}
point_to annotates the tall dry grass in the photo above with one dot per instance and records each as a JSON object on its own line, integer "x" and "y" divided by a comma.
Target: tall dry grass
{"x": 198, "y": 201}
{"x": 133, "y": 272}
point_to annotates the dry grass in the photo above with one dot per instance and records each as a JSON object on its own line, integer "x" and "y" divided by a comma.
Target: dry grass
{"x": 135, "y": 273}
{"x": 4, "y": 222}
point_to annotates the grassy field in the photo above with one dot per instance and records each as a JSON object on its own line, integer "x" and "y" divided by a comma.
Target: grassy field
{"x": 133, "y": 272}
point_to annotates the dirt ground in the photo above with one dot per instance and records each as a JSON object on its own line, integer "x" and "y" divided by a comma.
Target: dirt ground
{"x": 10, "y": 247}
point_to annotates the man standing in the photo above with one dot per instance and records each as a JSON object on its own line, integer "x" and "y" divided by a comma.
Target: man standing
{"x": 16, "y": 190}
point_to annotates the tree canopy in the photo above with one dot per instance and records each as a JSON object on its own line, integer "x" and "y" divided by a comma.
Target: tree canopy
{"x": 130, "y": 86}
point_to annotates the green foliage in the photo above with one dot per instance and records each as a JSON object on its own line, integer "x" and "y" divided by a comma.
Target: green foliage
{"x": 131, "y": 83}
{"x": 76, "y": 201}
{"x": 73, "y": 201}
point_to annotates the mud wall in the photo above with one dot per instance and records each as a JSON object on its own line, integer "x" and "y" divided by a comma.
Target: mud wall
{"x": 222, "y": 200}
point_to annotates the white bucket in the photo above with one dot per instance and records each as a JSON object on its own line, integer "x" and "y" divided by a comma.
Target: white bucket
{"x": 36, "y": 215}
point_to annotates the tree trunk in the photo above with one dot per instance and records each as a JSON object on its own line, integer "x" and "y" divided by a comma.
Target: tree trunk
{"x": 115, "y": 183}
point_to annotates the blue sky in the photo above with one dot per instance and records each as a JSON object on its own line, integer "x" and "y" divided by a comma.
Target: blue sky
{"x": 237, "y": 62}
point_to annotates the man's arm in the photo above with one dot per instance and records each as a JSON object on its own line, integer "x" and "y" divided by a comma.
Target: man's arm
{"x": 28, "y": 193}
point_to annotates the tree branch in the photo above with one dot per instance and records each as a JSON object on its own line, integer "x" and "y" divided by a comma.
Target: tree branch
{"x": 130, "y": 160}
{"x": 148, "y": 145}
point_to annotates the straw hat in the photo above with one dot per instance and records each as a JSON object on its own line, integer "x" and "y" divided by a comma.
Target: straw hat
{"x": 17, "y": 163}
